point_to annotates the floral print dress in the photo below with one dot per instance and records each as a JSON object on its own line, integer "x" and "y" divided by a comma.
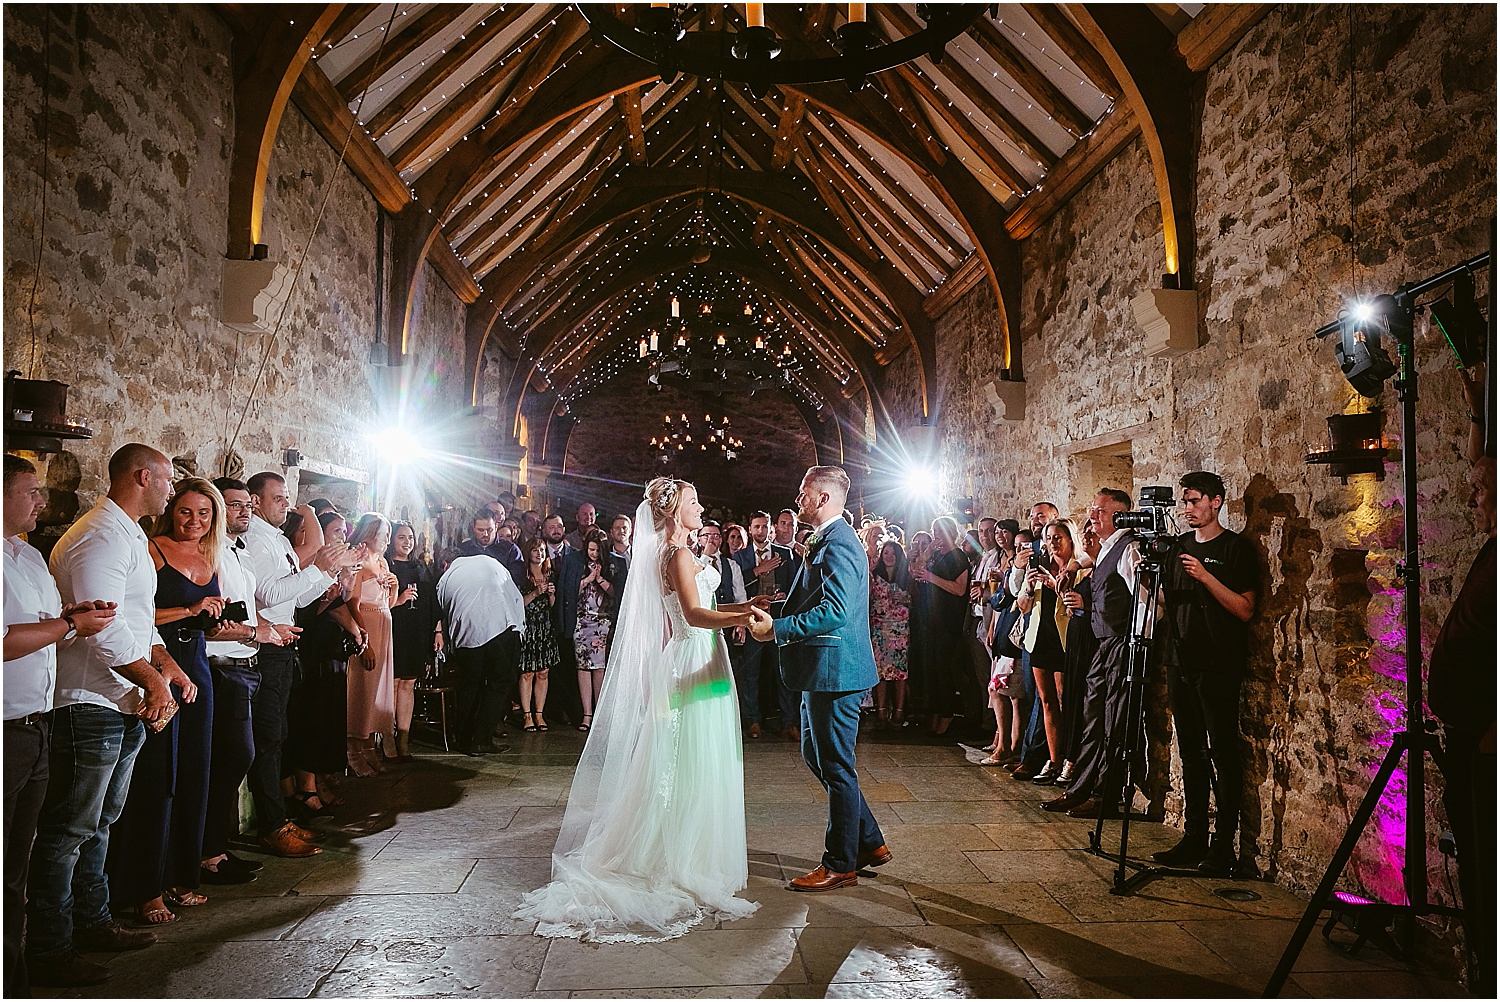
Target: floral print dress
{"x": 591, "y": 640}
{"x": 890, "y": 628}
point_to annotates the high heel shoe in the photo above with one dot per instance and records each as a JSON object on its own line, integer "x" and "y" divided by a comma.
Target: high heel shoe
{"x": 530, "y": 724}
{"x": 588, "y": 721}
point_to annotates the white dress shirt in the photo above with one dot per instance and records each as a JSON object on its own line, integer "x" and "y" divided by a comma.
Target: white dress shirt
{"x": 724, "y": 565}
{"x": 1128, "y": 567}
{"x": 280, "y": 587}
{"x": 480, "y": 601}
{"x": 103, "y": 556}
{"x": 236, "y": 584}
{"x": 31, "y": 596}
{"x": 981, "y": 577}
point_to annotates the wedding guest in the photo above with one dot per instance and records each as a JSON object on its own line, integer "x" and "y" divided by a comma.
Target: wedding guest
{"x": 1047, "y": 630}
{"x": 1079, "y": 645}
{"x": 232, "y": 649}
{"x": 35, "y": 624}
{"x": 553, "y": 536}
{"x": 157, "y": 844}
{"x": 99, "y": 724}
{"x": 531, "y": 525}
{"x": 945, "y": 584}
{"x": 416, "y": 633}
{"x": 282, "y": 585}
{"x": 619, "y": 541}
{"x": 371, "y": 678}
{"x": 316, "y": 747}
{"x": 508, "y": 530}
{"x": 731, "y": 588}
{"x": 483, "y": 616}
{"x": 484, "y": 538}
{"x": 767, "y": 567}
{"x": 539, "y": 647}
{"x": 890, "y": 631}
{"x": 596, "y": 595}
{"x": 586, "y": 516}
{"x": 734, "y": 539}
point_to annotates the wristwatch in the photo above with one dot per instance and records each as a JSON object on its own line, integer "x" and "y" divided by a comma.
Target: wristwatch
{"x": 72, "y": 630}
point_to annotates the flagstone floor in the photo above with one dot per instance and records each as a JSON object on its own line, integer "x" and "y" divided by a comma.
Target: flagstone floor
{"x": 987, "y": 897}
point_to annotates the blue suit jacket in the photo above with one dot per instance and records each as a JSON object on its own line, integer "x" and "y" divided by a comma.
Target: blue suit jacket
{"x": 823, "y": 634}
{"x": 783, "y": 574}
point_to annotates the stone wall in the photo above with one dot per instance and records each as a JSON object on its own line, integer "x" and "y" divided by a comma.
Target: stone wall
{"x": 1274, "y": 262}
{"x": 138, "y": 136}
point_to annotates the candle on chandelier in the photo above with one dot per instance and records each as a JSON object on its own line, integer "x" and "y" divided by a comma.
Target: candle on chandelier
{"x": 722, "y": 342}
{"x": 674, "y": 306}
{"x": 856, "y": 12}
{"x": 643, "y": 347}
{"x": 653, "y": 340}
{"x": 755, "y": 15}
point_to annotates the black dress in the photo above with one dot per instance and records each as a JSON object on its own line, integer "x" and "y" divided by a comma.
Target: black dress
{"x": 318, "y": 713}
{"x": 413, "y": 623}
{"x": 1080, "y": 651}
{"x": 942, "y": 657}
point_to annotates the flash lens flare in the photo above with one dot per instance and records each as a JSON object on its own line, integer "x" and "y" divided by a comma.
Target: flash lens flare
{"x": 398, "y": 446}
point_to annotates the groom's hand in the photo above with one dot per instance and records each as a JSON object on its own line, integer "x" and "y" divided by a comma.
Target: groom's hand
{"x": 761, "y": 627}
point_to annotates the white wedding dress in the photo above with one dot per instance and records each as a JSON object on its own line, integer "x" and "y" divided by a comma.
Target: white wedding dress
{"x": 653, "y": 840}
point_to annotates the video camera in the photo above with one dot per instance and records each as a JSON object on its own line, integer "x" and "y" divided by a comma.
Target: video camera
{"x": 1152, "y": 521}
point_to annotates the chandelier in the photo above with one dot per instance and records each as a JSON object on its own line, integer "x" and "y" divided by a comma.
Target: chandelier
{"x": 752, "y": 56}
{"x": 713, "y": 437}
{"x": 717, "y": 354}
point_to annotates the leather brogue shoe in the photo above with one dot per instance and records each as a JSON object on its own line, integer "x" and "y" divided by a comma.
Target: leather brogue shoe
{"x": 878, "y": 856}
{"x": 1064, "y": 803}
{"x": 113, "y": 937}
{"x": 1094, "y": 808}
{"x": 286, "y": 843}
{"x": 823, "y": 879}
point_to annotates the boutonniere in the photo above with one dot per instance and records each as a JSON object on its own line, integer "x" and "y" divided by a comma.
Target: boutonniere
{"x": 814, "y": 541}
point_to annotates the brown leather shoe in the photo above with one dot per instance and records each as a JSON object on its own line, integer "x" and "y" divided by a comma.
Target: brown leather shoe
{"x": 823, "y": 879}
{"x": 754, "y": 730}
{"x": 305, "y": 834}
{"x": 878, "y": 856}
{"x": 1064, "y": 803}
{"x": 112, "y": 936}
{"x": 286, "y": 843}
{"x": 64, "y": 970}
{"x": 791, "y": 734}
{"x": 1094, "y": 808}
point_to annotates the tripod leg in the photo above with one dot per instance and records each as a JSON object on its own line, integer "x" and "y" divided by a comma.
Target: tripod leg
{"x": 1336, "y": 866}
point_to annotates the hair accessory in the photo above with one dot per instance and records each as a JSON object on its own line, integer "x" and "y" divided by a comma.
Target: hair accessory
{"x": 668, "y": 495}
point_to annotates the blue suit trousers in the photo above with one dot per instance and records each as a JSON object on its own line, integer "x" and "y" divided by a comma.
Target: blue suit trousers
{"x": 830, "y": 724}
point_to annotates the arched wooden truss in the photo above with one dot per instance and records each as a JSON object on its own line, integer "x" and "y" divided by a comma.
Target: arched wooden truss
{"x": 524, "y": 159}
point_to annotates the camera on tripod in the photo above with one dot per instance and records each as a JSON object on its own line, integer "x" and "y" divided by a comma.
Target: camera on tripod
{"x": 1152, "y": 521}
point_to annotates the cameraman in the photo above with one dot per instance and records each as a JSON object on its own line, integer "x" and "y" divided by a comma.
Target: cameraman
{"x": 1209, "y": 584}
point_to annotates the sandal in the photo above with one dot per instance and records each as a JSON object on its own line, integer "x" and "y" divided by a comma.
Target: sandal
{"x": 160, "y": 915}
{"x": 529, "y": 725}
{"x": 322, "y": 810}
{"x": 541, "y": 724}
{"x": 587, "y": 722}
{"x": 185, "y": 899}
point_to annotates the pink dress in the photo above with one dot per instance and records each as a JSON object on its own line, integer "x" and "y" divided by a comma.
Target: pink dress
{"x": 372, "y": 678}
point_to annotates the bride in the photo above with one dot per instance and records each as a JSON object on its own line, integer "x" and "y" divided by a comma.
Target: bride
{"x": 653, "y": 840}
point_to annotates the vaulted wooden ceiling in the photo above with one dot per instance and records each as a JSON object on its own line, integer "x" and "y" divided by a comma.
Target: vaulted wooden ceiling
{"x": 580, "y": 190}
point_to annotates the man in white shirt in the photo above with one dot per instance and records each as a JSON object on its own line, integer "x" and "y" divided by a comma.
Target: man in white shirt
{"x": 731, "y": 584}
{"x": 485, "y": 618}
{"x": 107, "y": 685}
{"x": 282, "y": 585}
{"x": 35, "y": 623}
{"x": 233, "y": 653}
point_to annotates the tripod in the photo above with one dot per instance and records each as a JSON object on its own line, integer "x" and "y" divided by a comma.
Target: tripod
{"x": 1412, "y": 743}
{"x": 1125, "y": 751}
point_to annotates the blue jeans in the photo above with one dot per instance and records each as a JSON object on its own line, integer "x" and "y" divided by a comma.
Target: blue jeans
{"x": 93, "y": 755}
{"x": 1034, "y": 744}
{"x": 830, "y": 724}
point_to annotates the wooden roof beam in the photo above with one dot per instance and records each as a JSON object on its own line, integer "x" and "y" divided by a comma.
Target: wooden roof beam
{"x": 937, "y": 102}
{"x": 410, "y": 97}
{"x": 408, "y": 35}
{"x": 1032, "y": 80}
{"x": 628, "y": 104}
{"x": 787, "y": 128}
{"x": 1070, "y": 40}
{"x": 855, "y": 152}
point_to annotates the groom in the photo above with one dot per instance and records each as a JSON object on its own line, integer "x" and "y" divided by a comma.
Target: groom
{"x": 823, "y": 636}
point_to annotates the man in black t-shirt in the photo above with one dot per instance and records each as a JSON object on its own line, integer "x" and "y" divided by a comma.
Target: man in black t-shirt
{"x": 1210, "y": 583}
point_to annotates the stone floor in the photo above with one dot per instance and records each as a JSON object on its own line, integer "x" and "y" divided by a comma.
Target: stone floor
{"x": 987, "y": 897}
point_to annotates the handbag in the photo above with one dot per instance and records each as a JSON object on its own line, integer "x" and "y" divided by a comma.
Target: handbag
{"x": 1006, "y": 621}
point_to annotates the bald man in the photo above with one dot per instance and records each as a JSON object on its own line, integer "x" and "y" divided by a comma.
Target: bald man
{"x": 108, "y": 686}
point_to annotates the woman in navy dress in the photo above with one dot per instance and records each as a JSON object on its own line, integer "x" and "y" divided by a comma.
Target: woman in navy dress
{"x": 157, "y": 845}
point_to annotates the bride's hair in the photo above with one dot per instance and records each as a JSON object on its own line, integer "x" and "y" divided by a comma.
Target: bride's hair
{"x": 664, "y": 494}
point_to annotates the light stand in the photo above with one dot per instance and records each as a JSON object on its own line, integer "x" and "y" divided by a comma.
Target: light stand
{"x": 1413, "y": 742}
